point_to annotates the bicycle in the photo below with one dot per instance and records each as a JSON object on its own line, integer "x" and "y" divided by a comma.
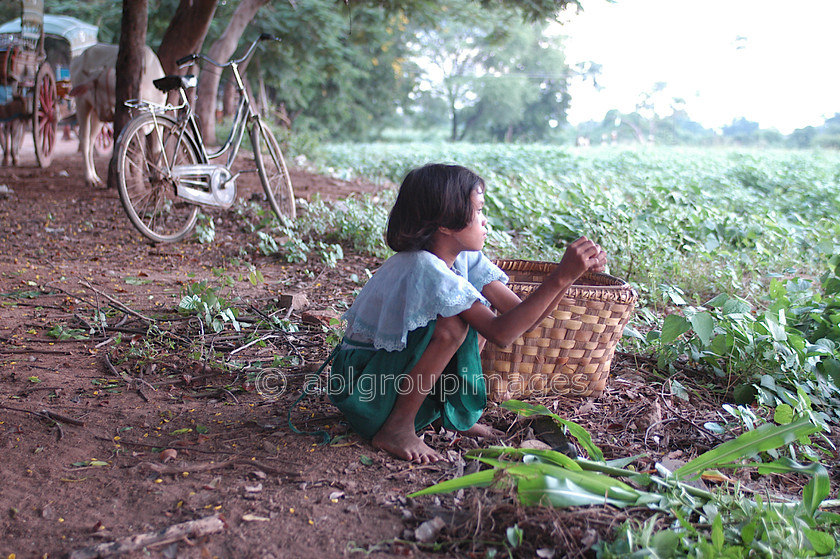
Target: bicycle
{"x": 165, "y": 172}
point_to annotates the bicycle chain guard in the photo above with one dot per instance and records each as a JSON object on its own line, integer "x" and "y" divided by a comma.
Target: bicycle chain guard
{"x": 222, "y": 191}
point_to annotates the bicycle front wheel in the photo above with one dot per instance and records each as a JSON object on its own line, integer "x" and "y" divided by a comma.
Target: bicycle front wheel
{"x": 148, "y": 148}
{"x": 272, "y": 169}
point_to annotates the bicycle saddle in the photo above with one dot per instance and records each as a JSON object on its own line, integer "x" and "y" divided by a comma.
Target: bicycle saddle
{"x": 169, "y": 83}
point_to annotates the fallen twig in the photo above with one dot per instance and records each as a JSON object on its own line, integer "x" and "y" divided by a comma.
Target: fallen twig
{"x": 46, "y": 414}
{"x": 117, "y": 303}
{"x": 132, "y": 381}
{"x": 33, "y": 350}
{"x": 209, "y": 466}
{"x": 174, "y": 533}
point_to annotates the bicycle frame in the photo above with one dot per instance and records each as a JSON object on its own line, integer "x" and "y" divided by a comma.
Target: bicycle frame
{"x": 243, "y": 115}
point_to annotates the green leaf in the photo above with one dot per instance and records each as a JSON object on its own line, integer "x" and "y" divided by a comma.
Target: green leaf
{"x": 366, "y": 460}
{"x": 783, "y": 414}
{"x": 717, "y": 301}
{"x": 578, "y": 432}
{"x": 678, "y": 390}
{"x": 181, "y": 431}
{"x": 558, "y": 492}
{"x": 764, "y": 438}
{"x": 717, "y": 533}
{"x": 540, "y": 482}
{"x": 598, "y": 483}
{"x": 832, "y": 286}
{"x": 665, "y": 543}
{"x": 673, "y": 327}
{"x": 775, "y": 324}
{"x": 748, "y": 532}
{"x": 816, "y": 491}
{"x": 735, "y": 306}
{"x": 831, "y": 367}
{"x": 744, "y": 394}
{"x": 703, "y": 325}
{"x": 550, "y": 456}
{"x": 483, "y": 478}
{"x": 822, "y": 543}
{"x": 514, "y": 536}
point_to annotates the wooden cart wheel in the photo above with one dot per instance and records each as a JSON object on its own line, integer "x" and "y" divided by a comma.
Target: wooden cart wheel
{"x": 45, "y": 113}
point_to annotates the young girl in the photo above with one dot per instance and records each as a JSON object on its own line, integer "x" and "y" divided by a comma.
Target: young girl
{"x": 410, "y": 354}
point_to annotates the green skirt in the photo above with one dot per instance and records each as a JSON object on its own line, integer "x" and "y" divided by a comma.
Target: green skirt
{"x": 364, "y": 383}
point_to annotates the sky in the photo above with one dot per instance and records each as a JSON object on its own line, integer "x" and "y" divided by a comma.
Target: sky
{"x": 768, "y": 61}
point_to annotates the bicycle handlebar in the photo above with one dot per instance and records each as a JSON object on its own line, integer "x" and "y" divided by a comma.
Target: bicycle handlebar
{"x": 189, "y": 58}
{"x": 181, "y": 62}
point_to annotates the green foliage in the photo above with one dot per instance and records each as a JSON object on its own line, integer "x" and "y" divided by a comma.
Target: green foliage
{"x": 710, "y": 218}
{"x": 62, "y": 333}
{"x": 700, "y": 523}
{"x": 324, "y": 228}
{"x": 209, "y": 305}
{"x": 205, "y": 229}
{"x": 787, "y": 353}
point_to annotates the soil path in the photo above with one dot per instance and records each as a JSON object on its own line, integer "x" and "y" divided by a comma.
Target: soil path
{"x": 98, "y": 473}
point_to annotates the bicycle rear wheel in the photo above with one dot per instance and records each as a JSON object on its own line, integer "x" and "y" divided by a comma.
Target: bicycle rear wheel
{"x": 148, "y": 148}
{"x": 272, "y": 169}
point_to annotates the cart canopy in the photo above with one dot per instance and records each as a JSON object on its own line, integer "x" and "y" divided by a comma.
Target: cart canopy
{"x": 79, "y": 34}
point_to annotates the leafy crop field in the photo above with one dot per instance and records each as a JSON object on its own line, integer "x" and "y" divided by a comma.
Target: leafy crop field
{"x": 700, "y": 220}
{"x": 736, "y": 256}
{"x": 745, "y": 243}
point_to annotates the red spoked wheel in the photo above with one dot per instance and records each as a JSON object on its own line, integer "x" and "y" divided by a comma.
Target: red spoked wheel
{"x": 45, "y": 115}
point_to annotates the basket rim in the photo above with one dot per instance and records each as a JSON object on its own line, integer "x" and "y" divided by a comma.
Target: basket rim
{"x": 605, "y": 288}
{"x": 517, "y": 265}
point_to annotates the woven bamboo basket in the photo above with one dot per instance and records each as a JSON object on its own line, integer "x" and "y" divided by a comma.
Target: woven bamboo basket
{"x": 570, "y": 351}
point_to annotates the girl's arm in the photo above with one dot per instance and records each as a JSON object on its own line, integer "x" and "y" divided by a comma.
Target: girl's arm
{"x": 504, "y": 299}
{"x": 500, "y": 296}
{"x": 517, "y": 318}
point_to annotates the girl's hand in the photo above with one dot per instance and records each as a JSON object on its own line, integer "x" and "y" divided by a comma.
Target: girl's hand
{"x": 601, "y": 264}
{"x": 582, "y": 255}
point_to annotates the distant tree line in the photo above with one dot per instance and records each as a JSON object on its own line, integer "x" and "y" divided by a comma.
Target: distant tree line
{"x": 679, "y": 129}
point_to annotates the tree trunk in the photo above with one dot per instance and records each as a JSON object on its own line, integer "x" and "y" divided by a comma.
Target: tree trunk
{"x": 221, "y": 51}
{"x": 135, "y": 16}
{"x": 185, "y": 34}
{"x": 229, "y": 99}
{"x": 263, "y": 95}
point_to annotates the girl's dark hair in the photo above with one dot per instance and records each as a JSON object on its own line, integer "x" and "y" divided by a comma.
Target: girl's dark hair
{"x": 430, "y": 197}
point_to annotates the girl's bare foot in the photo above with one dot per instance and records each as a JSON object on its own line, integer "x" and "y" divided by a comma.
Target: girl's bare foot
{"x": 484, "y": 431}
{"x": 405, "y": 445}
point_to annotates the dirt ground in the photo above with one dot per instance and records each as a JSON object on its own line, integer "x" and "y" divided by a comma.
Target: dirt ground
{"x": 125, "y": 431}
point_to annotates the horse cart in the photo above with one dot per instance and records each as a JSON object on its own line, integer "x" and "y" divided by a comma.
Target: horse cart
{"x": 35, "y": 54}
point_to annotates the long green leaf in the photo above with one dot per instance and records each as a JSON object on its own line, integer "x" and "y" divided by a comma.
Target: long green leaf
{"x": 609, "y": 469}
{"x": 817, "y": 488}
{"x": 766, "y": 437}
{"x": 560, "y": 493}
{"x": 526, "y": 410}
{"x": 483, "y": 478}
{"x": 598, "y": 484}
{"x": 550, "y": 456}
